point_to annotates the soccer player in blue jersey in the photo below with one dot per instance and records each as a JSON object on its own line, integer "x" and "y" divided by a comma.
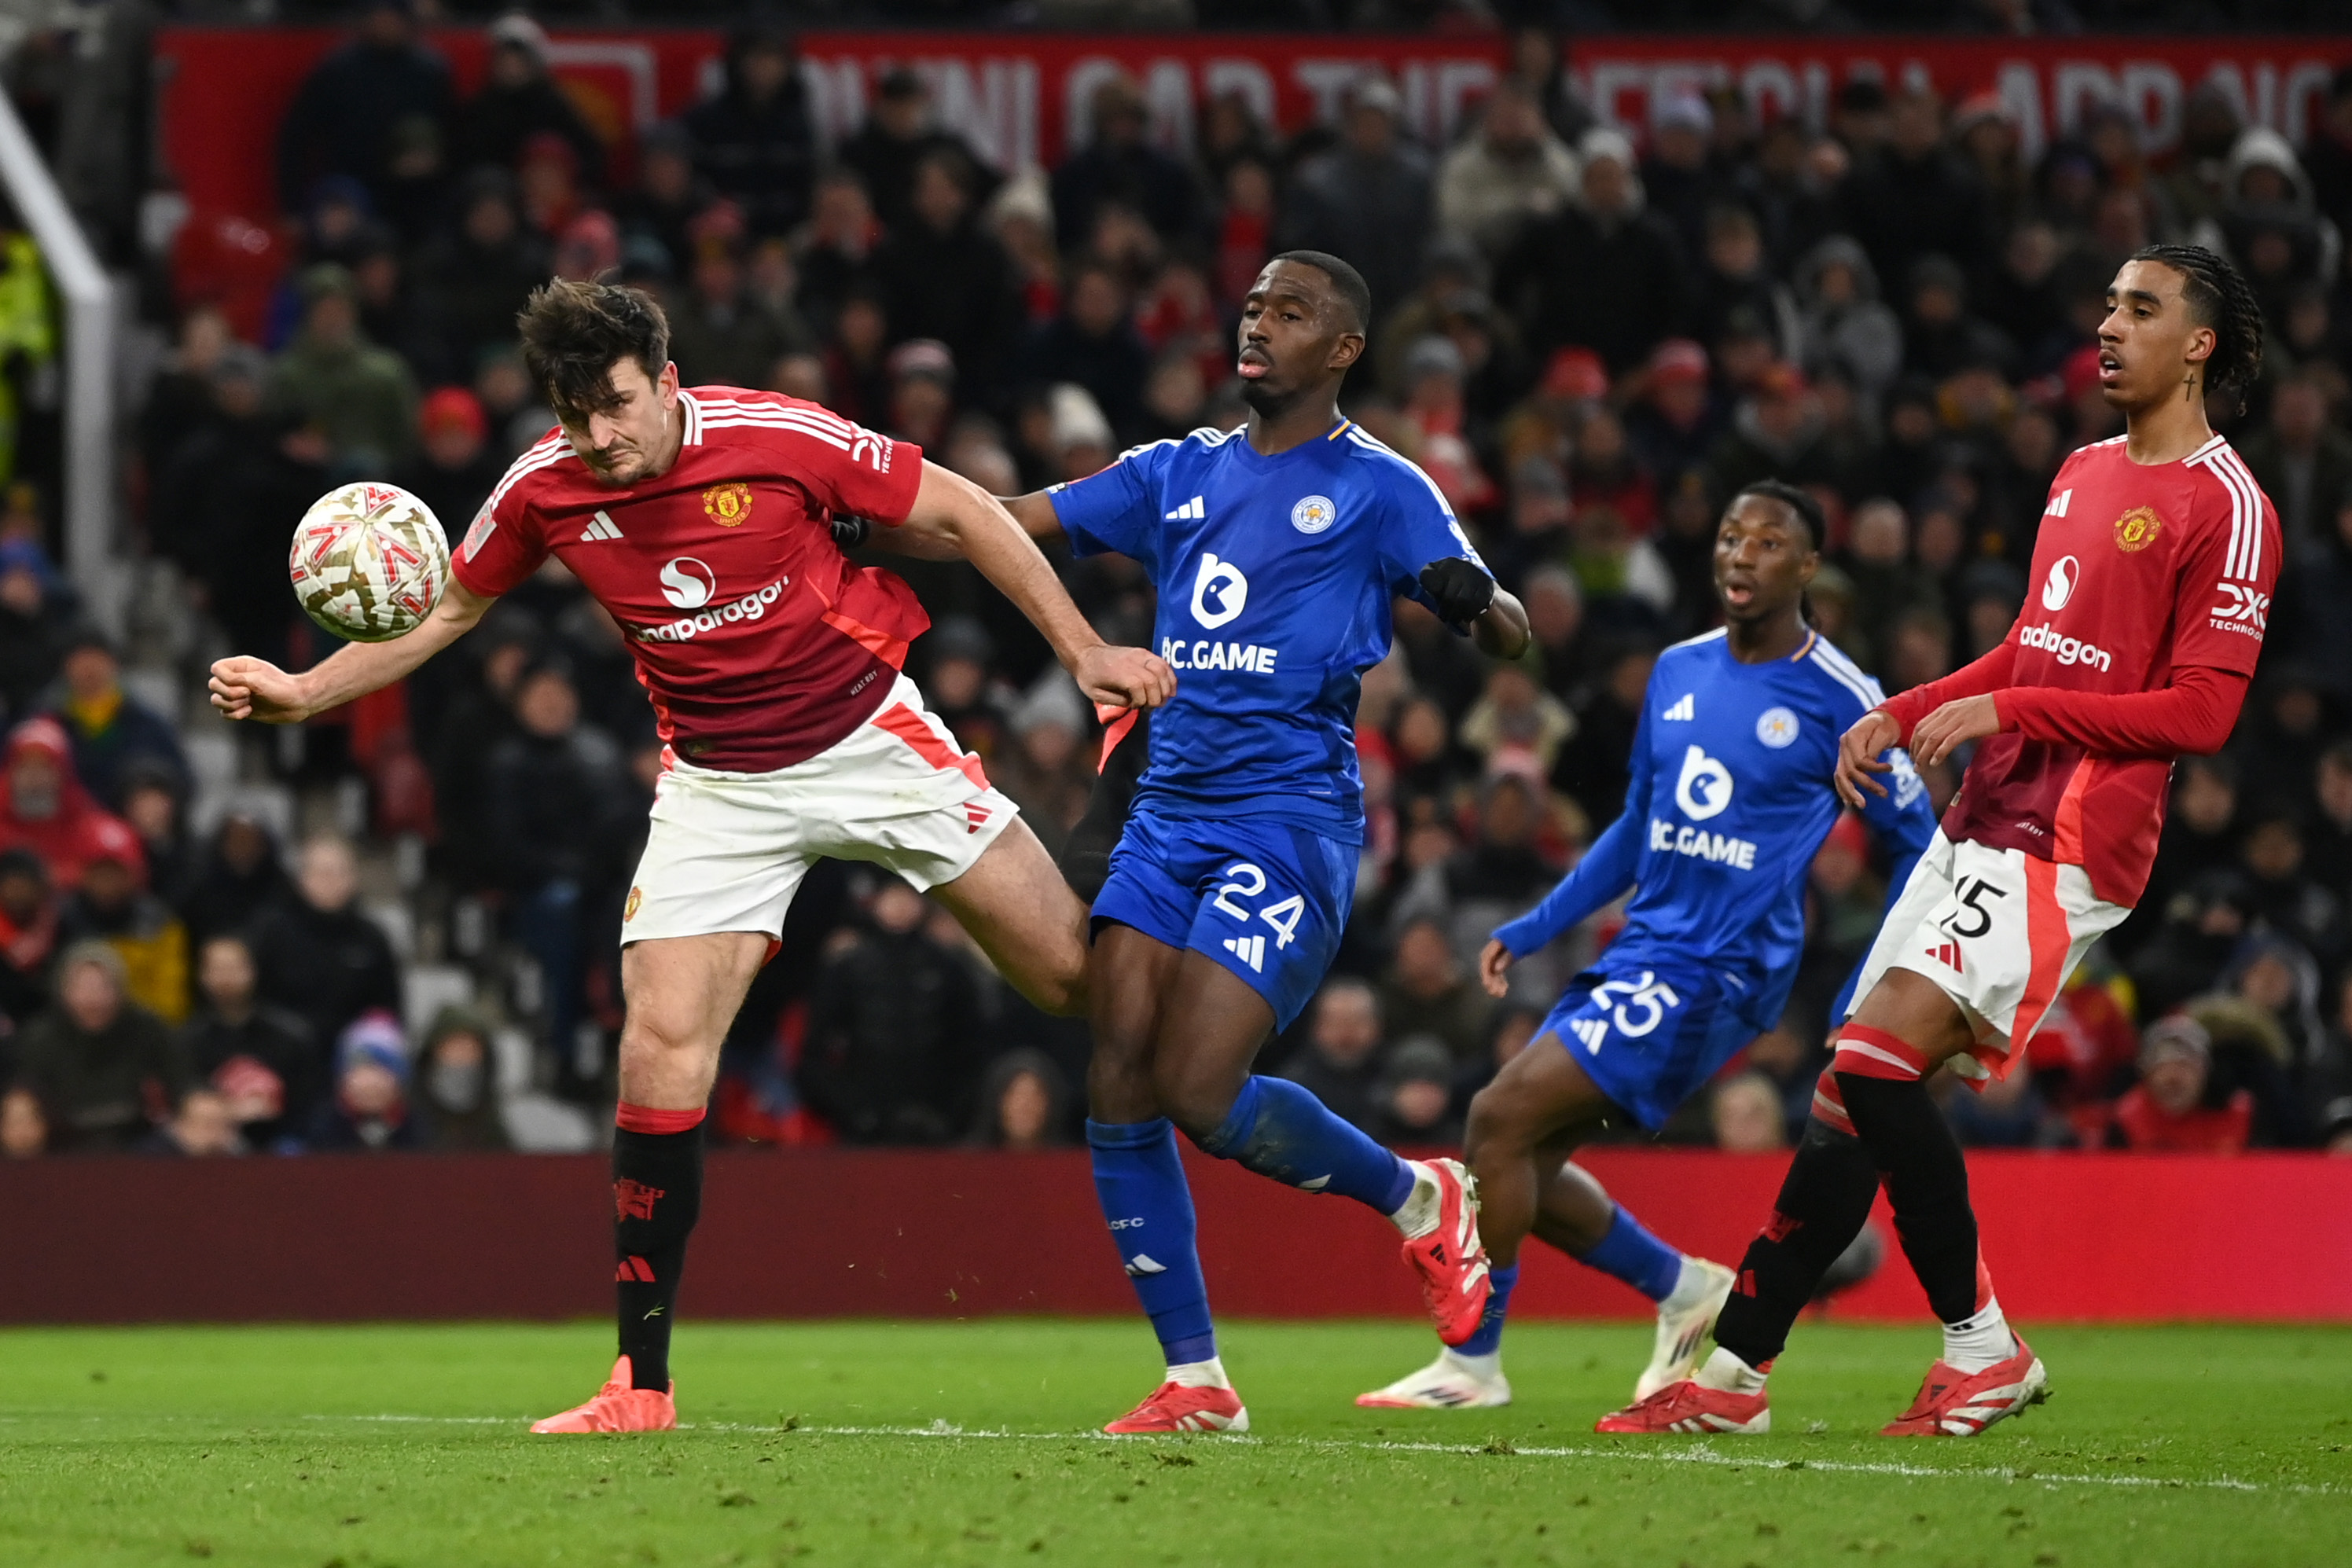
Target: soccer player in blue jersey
{"x": 1278, "y": 551}
{"x": 1729, "y": 799}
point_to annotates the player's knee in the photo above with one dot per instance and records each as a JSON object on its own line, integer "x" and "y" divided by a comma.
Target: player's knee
{"x": 1496, "y": 1126}
{"x": 1198, "y": 1102}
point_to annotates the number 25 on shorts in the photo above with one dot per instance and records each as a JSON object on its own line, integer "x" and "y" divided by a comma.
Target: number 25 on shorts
{"x": 1249, "y": 881}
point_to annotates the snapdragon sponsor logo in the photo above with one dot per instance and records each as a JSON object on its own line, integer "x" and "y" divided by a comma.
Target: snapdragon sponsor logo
{"x": 2067, "y": 650}
{"x": 686, "y": 628}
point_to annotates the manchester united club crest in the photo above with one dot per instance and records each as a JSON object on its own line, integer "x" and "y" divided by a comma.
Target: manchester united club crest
{"x": 727, "y": 505}
{"x": 637, "y": 896}
{"x": 2137, "y": 529}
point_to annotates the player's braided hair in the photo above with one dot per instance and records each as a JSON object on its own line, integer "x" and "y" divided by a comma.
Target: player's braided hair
{"x": 2217, "y": 296}
{"x": 1808, "y": 509}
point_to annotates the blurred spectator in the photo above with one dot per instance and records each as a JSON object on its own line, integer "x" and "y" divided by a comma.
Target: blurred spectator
{"x": 2281, "y": 895}
{"x": 517, "y": 100}
{"x": 1913, "y": 197}
{"x": 720, "y": 333}
{"x": 2270, "y": 224}
{"x": 477, "y": 275}
{"x": 458, "y": 1084}
{"x": 456, "y": 469}
{"x": 831, "y": 251}
{"x": 1115, "y": 164}
{"x": 1368, "y": 199}
{"x": 32, "y": 623}
{"x": 2302, "y": 461}
{"x": 1734, "y": 282}
{"x": 755, "y": 139}
{"x": 102, "y": 1068}
{"x": 2166, "y": 1112}
{"x": 238, "y": 878}
{"x": 922, "y": 392}
{"x": 370, "y": 1110}
{"x": 111, "y": 731}
{"x": 897, "y": 137}
{"x": 478, "y": 717}
{"x": 320, "y": 957}
{"x": 259, "y": 1059}
{"x": 23, "y": 1130}
{"x": 45, "y": 808}
{"x": 1049, "y": 771}
{"x": 2005, "y": 1113}
{"x": 344, "y": 113}
{"x": 1414, "y": 1097}
{"x": 1022, "y": 1102}
{"x": 1341, "y": 1059}
{"x": 28, "y": 936}
{"x": 890, "y": 1058}
{"x": 556, "y": 802}
{"x": 1602, "y": 272}
{"x": 1431, "y": 994}
{"x": 1941, "y": 337}
{"x": 113, "y": 905}
{"x": 361, "y": 397}
{"x": 1516, "y": 725}
{"x": 1744, "y": 1113}
{"x": 151, "y": 804}
{"x": 944, "y": 276}
{"x": 1844, "y": 322}
{"x": 1092, "y": 345}
{"x": 669, "y": 194}
{"x": 202, "y": 1128}
{"x": 1513, "y": 169}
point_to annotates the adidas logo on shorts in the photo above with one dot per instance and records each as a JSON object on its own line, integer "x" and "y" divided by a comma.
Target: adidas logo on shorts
{"x": 1250, "y": 950}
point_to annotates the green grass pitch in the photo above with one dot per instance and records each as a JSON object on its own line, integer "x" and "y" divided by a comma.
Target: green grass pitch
{"x": 970, "y": 1443}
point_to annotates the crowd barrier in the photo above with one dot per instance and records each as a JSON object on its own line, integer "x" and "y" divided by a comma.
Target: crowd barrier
{"x": 836, "y": 1233}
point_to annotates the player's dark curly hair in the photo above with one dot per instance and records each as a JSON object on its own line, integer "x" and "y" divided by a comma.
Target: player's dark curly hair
{"x": 2217, "y": 296}
{"x": 1807, "y": 507}
{"x": 574, "y": 333}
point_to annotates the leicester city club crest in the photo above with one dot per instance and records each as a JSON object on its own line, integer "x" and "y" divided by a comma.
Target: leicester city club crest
{"x": 1314, "y": 514}
{"x": 1776, "y": 727}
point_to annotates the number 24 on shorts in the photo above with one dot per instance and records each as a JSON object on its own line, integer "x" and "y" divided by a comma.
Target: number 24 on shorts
{"x": 1249, "y": 881}
{"x": 1649, "y": 997}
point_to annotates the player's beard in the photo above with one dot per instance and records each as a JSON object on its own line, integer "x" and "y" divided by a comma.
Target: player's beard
{"x": 1269, "y": 402}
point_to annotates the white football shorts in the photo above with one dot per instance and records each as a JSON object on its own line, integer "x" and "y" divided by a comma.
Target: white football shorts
{"x": 1999, "y": 932}
{"x": 727, "y": 850}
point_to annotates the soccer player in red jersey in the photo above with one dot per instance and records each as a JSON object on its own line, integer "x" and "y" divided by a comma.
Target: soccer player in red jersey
{"x": 2149, "y": 594}
{"x": 701, "y": 519}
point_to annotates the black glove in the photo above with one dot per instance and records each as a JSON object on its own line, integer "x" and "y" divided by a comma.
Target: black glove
{"x": 1461, "y": 589}
{"x": 848, "y": 532}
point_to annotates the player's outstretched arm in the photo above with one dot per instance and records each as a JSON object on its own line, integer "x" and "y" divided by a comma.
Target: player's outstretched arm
{"x": 1033, "y": 512}
{"x": 978, "y": 528}
{"x": 245, "y": 687}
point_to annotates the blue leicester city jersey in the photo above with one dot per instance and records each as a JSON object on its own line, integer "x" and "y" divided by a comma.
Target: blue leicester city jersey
{"x": 1731, "y": 796}
{"x": 1276, "y": 576}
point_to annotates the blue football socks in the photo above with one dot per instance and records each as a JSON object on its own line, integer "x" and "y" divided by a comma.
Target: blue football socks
{"x": 1279, "y": 1129}
{"x": 1636, "y": 1256}
{"x": 1140, "y": 1180}
{"x": 1489, "y": 1337}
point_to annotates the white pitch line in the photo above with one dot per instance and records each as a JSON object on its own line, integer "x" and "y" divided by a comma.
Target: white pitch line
{"x": 1699, "y": 1453}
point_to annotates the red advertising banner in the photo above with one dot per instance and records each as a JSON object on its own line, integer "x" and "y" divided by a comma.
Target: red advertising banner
{"x": 2050, "y": 84}
{"x": 1020, "y": 98}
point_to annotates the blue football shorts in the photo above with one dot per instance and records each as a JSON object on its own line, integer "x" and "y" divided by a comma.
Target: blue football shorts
{"x": 1649, "y": 1035}
{"x": 1267, "y": 900}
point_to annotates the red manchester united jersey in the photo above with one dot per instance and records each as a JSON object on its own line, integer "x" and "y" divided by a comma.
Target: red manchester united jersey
{"x": 2138, "y": 571}
{"x": 759, "y": 642}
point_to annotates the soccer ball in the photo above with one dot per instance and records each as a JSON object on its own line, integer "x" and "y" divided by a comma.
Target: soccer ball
{"x": 368, "y": 562}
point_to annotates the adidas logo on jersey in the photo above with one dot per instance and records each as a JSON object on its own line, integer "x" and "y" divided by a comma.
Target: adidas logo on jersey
{"x": 601, "y": 526}
{"x": 1686, "y": 710}
{"x": 2058, "y": 502}
{"x": 1190, "y": 511}
{"x": 1250, "y": 950}
{"x": 1591, "y": 1031}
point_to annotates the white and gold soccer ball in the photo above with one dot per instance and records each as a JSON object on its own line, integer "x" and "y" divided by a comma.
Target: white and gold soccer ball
{"x": 369, "y": 561}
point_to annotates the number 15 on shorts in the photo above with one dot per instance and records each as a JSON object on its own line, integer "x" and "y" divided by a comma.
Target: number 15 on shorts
{"x": 1643, "y": 1007}
{"x": 1246, "y": 880}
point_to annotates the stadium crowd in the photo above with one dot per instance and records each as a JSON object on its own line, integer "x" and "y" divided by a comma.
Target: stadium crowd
{"x": 1589, "y": 337}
